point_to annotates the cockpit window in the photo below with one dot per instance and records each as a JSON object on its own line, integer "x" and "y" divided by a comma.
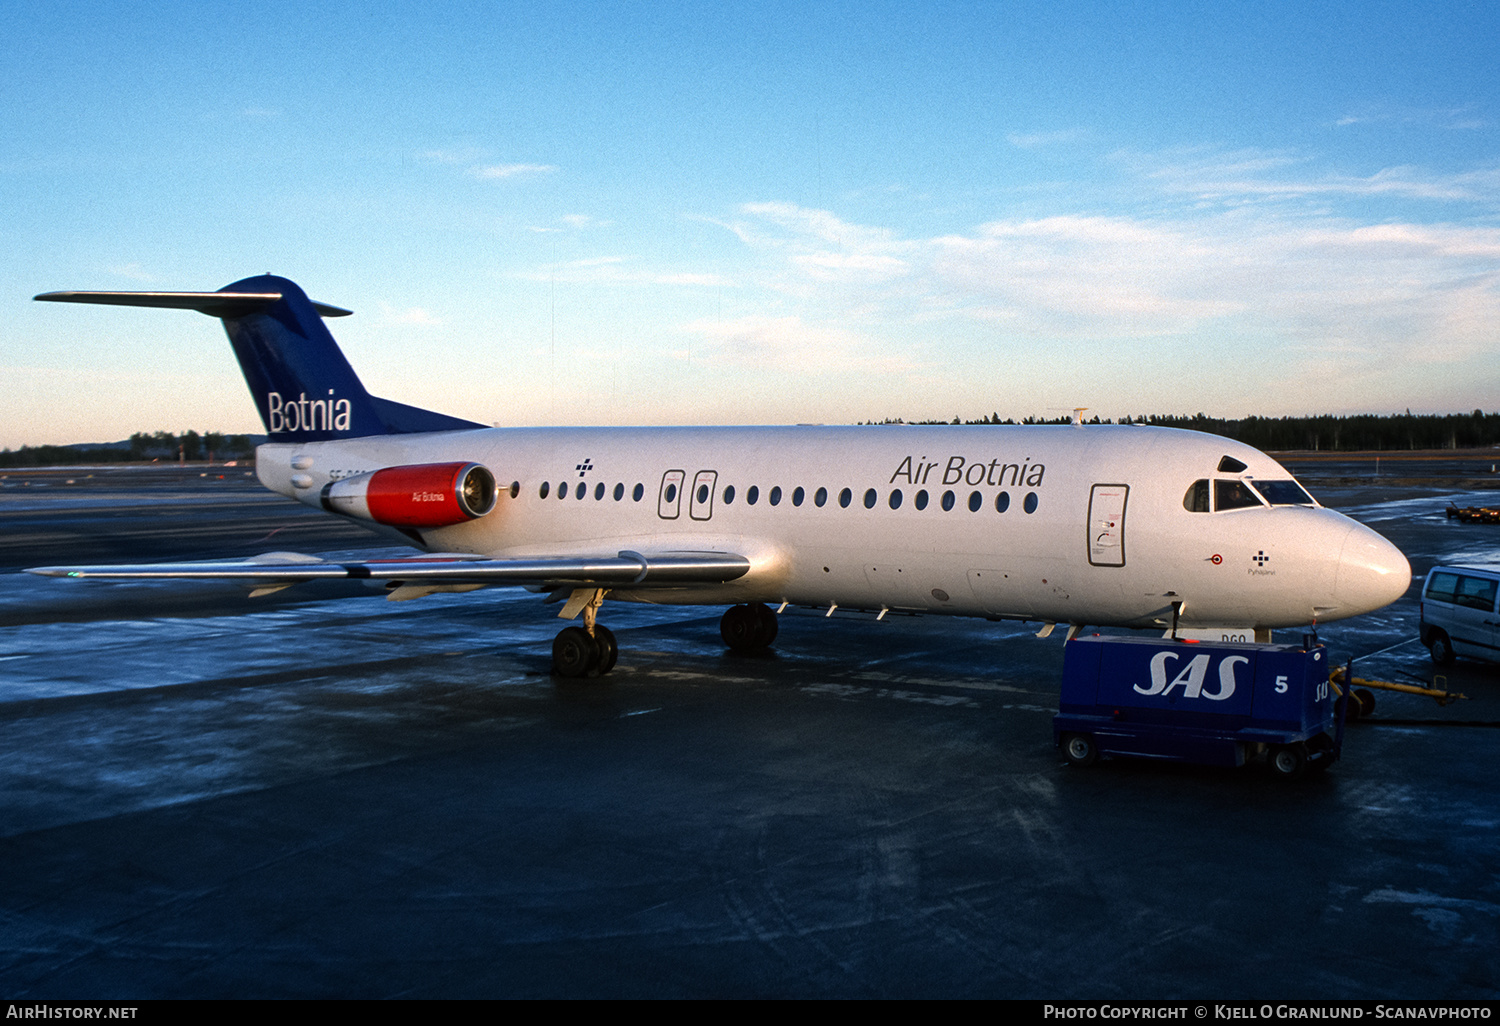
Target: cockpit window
{"x": 1234, "y": 495}
{"x": 1196, "y": 499}
{"x": 1230, "y": 465}
{"x": 1284, "y": 493}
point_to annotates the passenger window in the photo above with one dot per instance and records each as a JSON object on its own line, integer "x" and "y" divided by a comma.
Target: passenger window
{"x": 921, "y": 500}
{"x": 1233, "y": 495}
{"x": 598, "y": 491}
{"x": 896, "y": 499}
{"x": 797, "y": 494}
{"x": 845, "y": 497}
{"x": 947, "y": 501}
{"x": 752, "y": 495}
{"x": 562, "y": 490}
{"x": 1029, "y": 503}
{"x": 820, "y": 497}
{"x": 1196, "y": 499}
{"x": 870, "y": 498}
{"x": 728, "y": 494}
{"x": 975, "y": 501}
{"x": 545, "y": 489}
{"x": 640, "y": 490}
{"x": 1002, "y": 502}
{"x": 619, "y": 491}
{"x": 776, "y": 495}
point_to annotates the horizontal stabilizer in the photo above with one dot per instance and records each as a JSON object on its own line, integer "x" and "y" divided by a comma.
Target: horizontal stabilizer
{"x": 215, "y": 304}
{"x": 627, "y": 569}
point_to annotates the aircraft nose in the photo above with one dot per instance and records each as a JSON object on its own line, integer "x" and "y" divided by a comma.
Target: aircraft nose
{"x": 1372, "y": 572}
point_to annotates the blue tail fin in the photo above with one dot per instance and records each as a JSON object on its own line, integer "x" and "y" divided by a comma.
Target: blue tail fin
{"x": 303, "y": 387}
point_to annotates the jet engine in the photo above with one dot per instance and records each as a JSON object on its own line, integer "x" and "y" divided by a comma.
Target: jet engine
{"x": 421, "y": 495}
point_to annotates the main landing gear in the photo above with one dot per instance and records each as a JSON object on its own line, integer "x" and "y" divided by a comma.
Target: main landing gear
{"x": 748, "y": 628}
{"x": 576, "y": 653}
{"x": 591, "y": 650}
{"x": 587, "y": 651}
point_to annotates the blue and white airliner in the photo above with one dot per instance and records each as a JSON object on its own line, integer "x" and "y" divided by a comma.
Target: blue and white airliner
{"x": 1102, "y": 525}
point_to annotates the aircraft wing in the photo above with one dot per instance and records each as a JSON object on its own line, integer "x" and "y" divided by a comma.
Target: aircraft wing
{"x": 624, "y": 569}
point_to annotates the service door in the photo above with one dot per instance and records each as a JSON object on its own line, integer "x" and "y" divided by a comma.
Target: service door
{"x": 669, "y": 499}
{"x": 701, "y": 502}
{"x": 1107, "y": 524}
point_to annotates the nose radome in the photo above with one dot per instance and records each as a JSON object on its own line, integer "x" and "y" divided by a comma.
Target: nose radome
{"x": 1372, "y": 572}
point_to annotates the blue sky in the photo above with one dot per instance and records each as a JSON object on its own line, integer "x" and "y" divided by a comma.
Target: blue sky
{"x": 682, "y": 213}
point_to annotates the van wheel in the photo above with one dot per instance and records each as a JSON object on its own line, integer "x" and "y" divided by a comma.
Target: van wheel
{"x": 1289, "y": 761}
{"x": 1080, "y": 750}
{"x": 1441, "y": 648}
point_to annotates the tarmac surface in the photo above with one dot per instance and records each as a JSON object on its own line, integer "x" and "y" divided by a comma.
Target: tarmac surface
{"x": 324, "y": 794}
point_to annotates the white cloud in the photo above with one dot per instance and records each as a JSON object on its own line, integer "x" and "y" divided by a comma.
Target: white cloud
{"x": 411, "y": 315}
{"x": 1038, "y": 140}
{"x": 789, "y": 345}
{"x": 133, "y": 271}
{"x": 497, "y": 171}
{"x": 1372, "y": 292}
{"x": 1250, "y": 175}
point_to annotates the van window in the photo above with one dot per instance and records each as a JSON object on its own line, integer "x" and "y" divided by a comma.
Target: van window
{"x": 1462, "y": 590}
{"x": 1442, "y": 587}
{"x": 1476, "y": 593}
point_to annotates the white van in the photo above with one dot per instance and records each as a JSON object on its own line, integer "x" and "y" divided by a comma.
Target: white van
{"x": 1458, "y": 613}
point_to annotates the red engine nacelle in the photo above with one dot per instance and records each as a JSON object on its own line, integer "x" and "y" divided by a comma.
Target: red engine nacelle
{"x": 420, "y": 495}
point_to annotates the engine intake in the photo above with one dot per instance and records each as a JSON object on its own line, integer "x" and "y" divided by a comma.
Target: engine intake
{"x": 420, "y": 495}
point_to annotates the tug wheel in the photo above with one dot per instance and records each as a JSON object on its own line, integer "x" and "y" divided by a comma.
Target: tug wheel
{"x": 1080, "y": 749}
{"x": 1289, "y": 762}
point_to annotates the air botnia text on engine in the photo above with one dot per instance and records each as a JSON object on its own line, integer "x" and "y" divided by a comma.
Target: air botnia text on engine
{"x": 423, "y": 495}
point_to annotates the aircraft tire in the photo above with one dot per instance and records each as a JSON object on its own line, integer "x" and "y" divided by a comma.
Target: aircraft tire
{"x": 609, "y": 649}
{"x": 1080, "y": 749}
{"x": 1288, "y": 762}
{"x": 740, "y": 629}
{"x": 574, "y": 653}
{"x": 767, "y": 624}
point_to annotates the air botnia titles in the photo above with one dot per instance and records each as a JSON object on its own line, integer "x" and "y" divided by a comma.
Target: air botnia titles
{"x": 304, "y": 414}
{"x": 959, "y": 470}
{"x": 1351, "y": 1010}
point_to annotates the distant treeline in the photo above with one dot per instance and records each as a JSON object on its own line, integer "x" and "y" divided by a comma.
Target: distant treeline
{"x": 1362, "y": 431}
{"x": 163, "y": 446}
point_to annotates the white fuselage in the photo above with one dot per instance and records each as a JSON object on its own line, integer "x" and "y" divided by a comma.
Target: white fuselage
{"x": 1080, "y": 525}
